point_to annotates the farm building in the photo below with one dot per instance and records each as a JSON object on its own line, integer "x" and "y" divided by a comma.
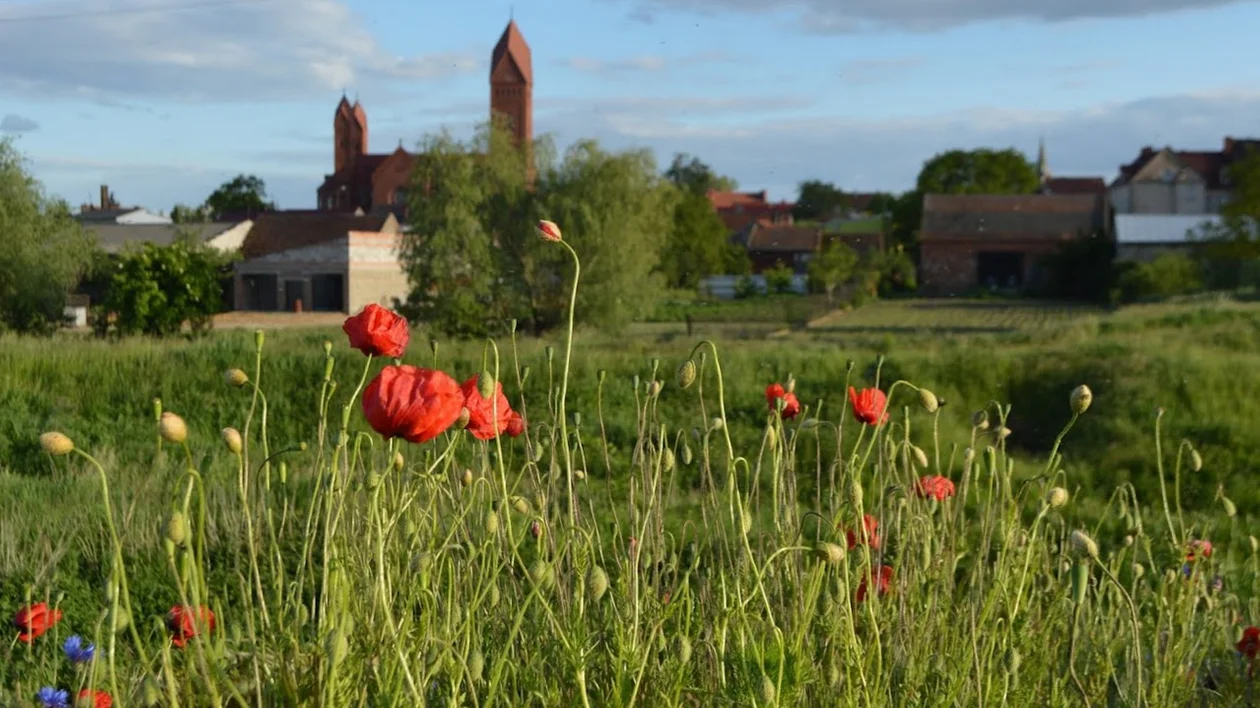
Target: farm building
{"x": 968, "y": 242}
{"x": 740, "y": 209}
{"x": 1143, "y": 237}
{"x": 223, "y": 236}
{"x": 319, "y": 260}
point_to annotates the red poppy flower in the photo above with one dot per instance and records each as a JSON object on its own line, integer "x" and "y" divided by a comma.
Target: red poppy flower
{"x": 882, "y": 580}
{"x": 97, "y": 699}
{"x": 516, "y": 425}
{"x": 376, "y": 331}
{"x": 870, "y": 524}
{"x": 1249, "y": 645}
{"x": 482, "y": 421}
{"x": 35, "y": 620}
{"x": 791, "y": 406}
{"x": 869, "y": 405}
{"x": 934, "y": 486}
{"x": 411, "y": 403}
{"x": 185, "y": 623}
{"x": 1199, "y": 549}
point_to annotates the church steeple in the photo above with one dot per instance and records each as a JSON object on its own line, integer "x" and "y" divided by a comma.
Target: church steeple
{"x": 1043, "y": 167}
{"x": 512, "y": 83}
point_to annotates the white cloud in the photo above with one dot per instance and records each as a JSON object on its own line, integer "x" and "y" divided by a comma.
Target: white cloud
{"x": 835, "y": 17}
{"x": 256, "y": 51}
{"x": 868, "y": 71}
{"x": 14, "y": 123}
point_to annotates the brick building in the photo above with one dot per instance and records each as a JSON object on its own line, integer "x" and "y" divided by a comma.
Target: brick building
{"x": 377, "y": 183}
{"x": 968, "y": 242}
{"x": 1168, "y": 181}
{"x": 740, "y": 209}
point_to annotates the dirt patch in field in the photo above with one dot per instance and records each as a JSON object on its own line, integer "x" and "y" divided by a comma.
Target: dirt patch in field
{"x": 277, "y": 320}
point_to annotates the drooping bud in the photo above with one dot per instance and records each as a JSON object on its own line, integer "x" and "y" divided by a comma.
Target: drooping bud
{"x": 767, "y": 690}
{"x": 745, "y": 520}
{"x": 684, "y": 649}
{"x": 686, "y": 374}
{"x": 336, "y": 647}
{"x": 476, "y": 664}
{"x": 1003, "y": 433}
{"x": 397, "y": 463}
{"x": 177, "y": 528}
{"x": 541, "y": 572}
{"x": 492, "y": 523}
{"x": 1196, "y": 460}
{"x": 232, "y": 438}
{"x": 980, "y": 420}
{"x": 667, "y": 459}
{"x": 55, "y": 443}
{"x": 686, "y": 454}
{"x": 829, "y": 552}
{"x": 485, "y": 385}
{"x": 1080, "y": 399}
{"x": 172, "y": 428}
{"x": 1083, "y": 544}
{"x": 716, "y": 424}
{"x": 579, "y": 475}
{"x": 853, "y": 492}
{"x": 548, "y": 231}
{"x": 1228, "y": 504}
{"x": 236, "y": 377}
{"x": 929, "y": 401}
{"x": 654, "y": 389}
{"x": 596, "y": 583}
{"x": 535, "y": 529}
{"x": 920, "y": 457}
{"x": 466, "y": 478}
{"x": 969, "y": 456}
{"x": 464, "y": 416}
{"x": 1056, "y": 497}
{"x": 520, "y": 504}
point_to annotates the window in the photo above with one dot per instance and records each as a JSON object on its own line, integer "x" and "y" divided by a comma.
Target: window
{"x": 399, "y": 197}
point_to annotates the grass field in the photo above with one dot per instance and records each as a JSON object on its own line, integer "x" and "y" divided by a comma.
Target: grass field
{"x": 340, "y": 580}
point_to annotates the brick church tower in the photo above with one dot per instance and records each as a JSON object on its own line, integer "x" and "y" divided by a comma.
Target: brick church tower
{"x": 512, "y": 84}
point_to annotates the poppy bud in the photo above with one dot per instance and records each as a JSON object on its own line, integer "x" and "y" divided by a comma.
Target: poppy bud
{"x": 684, "y": 649}
{"x": 1003, "y": 433}
{"x": 397, "y": 463}
{"x": 791, "y": 384}
{"x": 122, "y": 620}
{"x": 336, "y": 647}
{"x": 1013, "y": 660}
{"x": 55, "y": 443}
{"x": 177, "y": 529}
{"x": 596, "y": 583}
{"x": 236, "y": 377}
{"x": 1083, "y": 544}
{"x": 654, "y": 389}
{"x": 601, "y": 375}
{"x": 1057, "y": 497}
{"x": 232, "y": 438}
{"x": 767, "y": 690}
{"x": 920, "y": 457}
{"x": 829, "y": 552}
{"x": 745, "y": 520}
{"x": 1196, "y": 460}
{"x": 157, "y": 409}
{"x": 969, "y": 456}
{"x": 327, "y": 347}
{"x": 1128, "y": 541}
{"x": 539, "y": 451}
{"x": 579, "y": 475}
{"x": 668, "y": 461}
{"x": 151, "y": 695}
{"x": 686, "y": 454}
{"x": 577, "y": 419}
{"x": 464, "y": 416}
{"x": 535, "y": 529}
{"x": 512, "y": 326}
{"x": 929, "y": 401}
{"x": 1138, "y": 570}
{"x": 548, "y": 231}
{"x": 283, "y": 468}
{"x": 541, "y": 572}
{"x": 686, "y": 374}
{"x": 520, "y": 504}
{"x": 980, "y": 420}
{"x": 1228, "y": 504}
{"x": 492, "y": 524}
{"x": 259, "y": 336}
{"x": 716, "y": 424}
{"x": 172, "y": 428}
{"x": 854, "y": 492}
{"x": 540, "y": 501}
{"x": 1080, "y": 399}
{"x": 466, "y": 478}
{"x": 549, "y": 352}
{"x": 485, "y": 385}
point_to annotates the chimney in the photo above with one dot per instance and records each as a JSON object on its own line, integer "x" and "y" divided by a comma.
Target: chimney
{"x": 1229, "y": 145}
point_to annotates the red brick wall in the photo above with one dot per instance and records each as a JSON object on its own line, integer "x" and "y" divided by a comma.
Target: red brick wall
{"x": 948, "y": 267}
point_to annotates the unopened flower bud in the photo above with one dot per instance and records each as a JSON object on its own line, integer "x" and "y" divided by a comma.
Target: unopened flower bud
{"x": 716, "y": 424}
{"x": 177, "y": 528}
{"x": 464, "y": 416}
{"x": 157, "y": 409}
{"x": 327, "y": 347}
{"x": 667, "y": 459}
{"x": 232, "y": 438}
{"x": 579, "y": 475}
{"x": 791, "y": 384}
{"x": 492, "y": 523}
{"x": 980, "y": 420}
{"x": 686, "y": 374}
{"x": 745, "y": 520}
{"x": 1003, "y": 433}
{"x": 172, "y": 428}
{"x": 596, "y": 583}
{"x": 1083, "y": 544}
{"x": 336, "y": 647}
{"x": 1128, "y": 541}
{"x": 1228, "y": 504}
{"x": 1080, "y": 399}
{"x": 1196, "y": 460}
{"x": 654, "y": 389}
{"x": 829, "y": 552}
{"x": 929, "y": 401}
{"x": 548, "y": 231}
{"x": 397, "y": 463}
{"x": 853, "y": 492}
{"x": 684, "y": 649}
{"x": 969, "y": 456}
{"x": 767, "y": 690}
{"x": 259, "y": 338}
{"x": 541, "y": 572}
{"x": 920, "y": 457}
{"x": 55, "y": 443}
{"x": 466, "y": 478}
{"x": 1255, "y": 544}
{"x": 1056, "y": 497}
{"x": 520, "y": 504}
{"x": 236, "y": 377}
{"x": 686, "y": 454}
{"x": 485, "y": 385}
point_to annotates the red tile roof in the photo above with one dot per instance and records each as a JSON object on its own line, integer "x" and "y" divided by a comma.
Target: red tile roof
{"x": 765, "y": 237}
{"x": 286, "y": 230}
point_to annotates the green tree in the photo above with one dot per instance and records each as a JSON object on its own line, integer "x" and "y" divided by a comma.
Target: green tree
{"x": 45, "y": 250}
{"x": 1230, "y": 249}
{"x": 982, "y": 171}
{"x": 184, "y": 214}
{"x": 833, "y": 266}
{"x": 817, "y": 200}
{"x": 1168, "y": 275}
{"x": 692, "y": 174}
{"x": 154, "y": 290}
{"x": 241, "y": 193}
{"x": 473, "y": 255}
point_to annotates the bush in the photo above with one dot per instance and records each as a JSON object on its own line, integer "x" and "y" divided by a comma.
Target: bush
{"x": 778, "y": 279}
{"x": 1168, "y": 275}
{"x": 154, "y": 290}
{"x": 746, "y": 287}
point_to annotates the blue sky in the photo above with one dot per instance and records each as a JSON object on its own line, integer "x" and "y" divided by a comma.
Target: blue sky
{"x": 165, "y": 99}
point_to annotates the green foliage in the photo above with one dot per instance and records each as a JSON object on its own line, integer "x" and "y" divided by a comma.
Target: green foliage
{"x": 153, "y": 290}
{"x": 981, "y": 171}
{"x": 693, "y": 175}
{"x": 45, "y": 250}
{"x": 1082, "y": 269}
{"x": 246, "y": 193}
{"x": 833, "y": 266}
{"x": 816, "y": 199}
{"x": 1168, "y": 275}
{"x": 778, "y": 279}
{"x": 474, "y": 256}
{"x": 184, "y": 214}
{"x": 746, "y": 287}
{"x": 736, "y": 260}
{"x": 696, "y": 246}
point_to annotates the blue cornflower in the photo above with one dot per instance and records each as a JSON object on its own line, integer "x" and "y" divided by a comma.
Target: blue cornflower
{"x": 50, "y": 697}
{"x": 76, "y": 651}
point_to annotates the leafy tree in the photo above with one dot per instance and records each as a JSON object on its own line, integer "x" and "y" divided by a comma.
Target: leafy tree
{"x": 1230, "y": 250}
{"x": 241, "y": 193}
{"x": 778, "y": 279}
{"x": 476, "y": 261}
{"x": 696, "y": 246}
{"x": 691, "y": 174}
{"x": 736, "y": 261}
{"x": 982, "y": 171}
{"x": 154, "y": 290}
{"x": 1081, "y": 268}
{"x": 1168, "y": 275}
{"x": 833, "y": 266}
{"x": 45, "y": 250}
{"x": 184, "y": 214}
{"x": 817, "y": 200}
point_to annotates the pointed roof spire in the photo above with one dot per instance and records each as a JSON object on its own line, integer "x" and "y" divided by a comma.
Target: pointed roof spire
{"x": 512, "y": 46}
{"x": 1043, "y": 167}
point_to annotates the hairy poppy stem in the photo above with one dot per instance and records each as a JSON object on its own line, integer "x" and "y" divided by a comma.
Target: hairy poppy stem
{"x": 564, "y": 385}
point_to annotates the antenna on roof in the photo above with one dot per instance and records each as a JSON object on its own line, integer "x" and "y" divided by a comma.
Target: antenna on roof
{"x": 511, "y": 13}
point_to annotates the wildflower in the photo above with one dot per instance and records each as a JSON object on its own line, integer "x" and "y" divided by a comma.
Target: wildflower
{"x": 1084, "y": 544}
{"x": 1056, "y": 497}
{"x": 686, "y": 374}
{"x": 76, "y": 651}
{"x": 935, "y": 486}
{"x": 50, "y": 697}
{"x": 236, "y": 377}
{"x": 482, "y": 410}
{"x": 94, "y": 699}
{"x": 869, "y": 405}
{"x": 55, "y": 443}
{"x": 172, "y": 428}
{"x": 1249, "y": 645}
{"x": 34, "y": 620}
{"x": 929, "y": 401}
{"x": 1198, "y": 549}
{"x": 1080, "y": 399}
{"x": 516, "y": 425}
{"x": 183, "y": 623}
{"x": 376, "y": 331}
{"x": 791, "y": 406}
{"x": 412, "y": 403}
{"x": 232, "y": 438}
{"x": 548, "y": 230}
{"x": 869, "y": 536}
{"x": 882, "y": 580}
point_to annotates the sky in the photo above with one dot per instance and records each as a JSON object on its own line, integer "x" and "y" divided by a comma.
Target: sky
{"x": 163, "y": 100}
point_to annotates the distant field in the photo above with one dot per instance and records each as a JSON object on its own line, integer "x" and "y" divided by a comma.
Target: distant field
{"x": 955, "y": 317}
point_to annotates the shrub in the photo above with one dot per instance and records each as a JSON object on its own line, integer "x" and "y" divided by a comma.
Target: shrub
{"x": 778, "y": 279}
{"x": 154, "y": 290}
{"x": 1168, "y": 275}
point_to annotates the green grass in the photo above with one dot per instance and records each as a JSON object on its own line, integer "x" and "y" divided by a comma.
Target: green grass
{"x": 711, "y": 609}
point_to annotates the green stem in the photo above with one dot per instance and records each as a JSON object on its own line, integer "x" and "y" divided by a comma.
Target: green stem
{"x": 564, "y": 385}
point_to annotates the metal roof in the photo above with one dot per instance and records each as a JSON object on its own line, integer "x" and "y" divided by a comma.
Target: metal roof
{"x": 1160, "y": 228}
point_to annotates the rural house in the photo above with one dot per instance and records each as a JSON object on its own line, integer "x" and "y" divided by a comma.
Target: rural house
{"x": 109, "y": 211}
{"x": 1144, "y": 237}
{"x": 996, "y": 241}
{"x": 1168, "y": 181}
{"x": 770, "y": 244}
{"x": 322, "y": 261}
{"x": 224, "y": 236}
{"x": 740, "y": 209}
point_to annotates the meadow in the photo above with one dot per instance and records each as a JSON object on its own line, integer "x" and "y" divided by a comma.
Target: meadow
{"x": 645, "y": 542}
